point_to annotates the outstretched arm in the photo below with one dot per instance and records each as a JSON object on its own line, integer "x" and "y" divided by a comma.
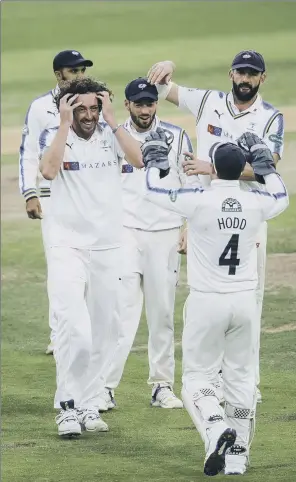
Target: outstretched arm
{"x": 183, "y": 201}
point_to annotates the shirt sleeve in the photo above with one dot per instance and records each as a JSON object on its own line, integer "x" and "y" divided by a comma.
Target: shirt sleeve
{"x": 28, "y": 154}
{"x": 274, "y": 137}
{"x": 183, "y": 201}
{"x": 192, "y": 99}
{"x": 275, "y": 199}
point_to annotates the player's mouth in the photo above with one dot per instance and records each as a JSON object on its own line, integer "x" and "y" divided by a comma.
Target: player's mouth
{"x": 245, "y": 88}
{"x": 88, "y": 124}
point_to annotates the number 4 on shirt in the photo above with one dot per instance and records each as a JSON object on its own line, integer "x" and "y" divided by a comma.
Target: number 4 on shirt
{"x": 231, "y": 248}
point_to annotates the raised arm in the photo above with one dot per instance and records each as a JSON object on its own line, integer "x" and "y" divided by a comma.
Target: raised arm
{"x": 130, "y": 146}
{"x": 188, "y": 99}
{"x": 52, "y": 158}
{"x": 275, "y": 199}
{"x": 183, "y": 201}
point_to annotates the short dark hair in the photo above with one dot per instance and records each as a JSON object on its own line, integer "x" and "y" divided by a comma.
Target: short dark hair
{"x": 85, "y": 85}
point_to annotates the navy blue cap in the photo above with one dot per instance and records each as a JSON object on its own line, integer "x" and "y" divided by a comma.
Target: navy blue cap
{"x": 140, "y": 89}
{"x": 70, "y": 58}
{"x": 249, "y": 58}
{"x": 229, "y": 159}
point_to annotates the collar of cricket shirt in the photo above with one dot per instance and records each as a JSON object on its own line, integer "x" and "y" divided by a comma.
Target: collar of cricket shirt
{"x": 235, "y": 112}
{"x": 97, "y": 133}
{"x": 128, "y": 125}
{"x": 224, "y": 183}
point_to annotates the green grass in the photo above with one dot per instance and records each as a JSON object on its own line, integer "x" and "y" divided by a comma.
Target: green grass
{"x": 143, "y": 445}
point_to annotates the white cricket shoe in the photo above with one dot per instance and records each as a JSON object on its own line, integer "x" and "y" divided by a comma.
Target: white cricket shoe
{"x": 90, "y": 420}
{"x": 164, "y": 397}
{"x": 109, "y": 399}
{"x": 102, "y": 403}
{"x": 67, "y": 420}
{"x": 218, "y": 442}
{"x": 236, "y": 460}
{"x": 49, "y": 349}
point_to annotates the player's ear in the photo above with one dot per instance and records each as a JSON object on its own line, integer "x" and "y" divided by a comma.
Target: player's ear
{"x": 230, "y": 73}
{"x": 58, "y": 75}
{"x": 127, "y": 105}
{"x": 263, "y": 77}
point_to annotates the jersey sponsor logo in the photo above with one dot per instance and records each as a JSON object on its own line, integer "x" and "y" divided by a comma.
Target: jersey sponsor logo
{"x": 71, "y": 166}
{"x": 98, "y": 165}
{"x": 276, "y": 139}
{"x": 231, "y": 205}
{"x": 127, "y": 168}
{"x": 25, "y": 130}
{"x": 215, "y": 131}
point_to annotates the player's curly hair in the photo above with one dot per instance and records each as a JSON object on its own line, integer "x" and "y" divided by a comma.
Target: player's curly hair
{"x": 82, "y": 86}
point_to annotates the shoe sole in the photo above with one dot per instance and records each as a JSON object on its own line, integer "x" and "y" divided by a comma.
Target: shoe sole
{"x": 158, "y": 405}
{"x": 216, "y": 461}
{"x": 70, "y": 434}
{"x": 98, "y": 429}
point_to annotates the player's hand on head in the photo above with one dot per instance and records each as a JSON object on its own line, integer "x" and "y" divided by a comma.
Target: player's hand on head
{"x": 193, "y": 166}
{"x": 67, "y": 105}
{"x": 33, "y": 208}
{"x": 107, "y": 107}
{"x": 155, "y": 150}
{"x": 161, "y": 72}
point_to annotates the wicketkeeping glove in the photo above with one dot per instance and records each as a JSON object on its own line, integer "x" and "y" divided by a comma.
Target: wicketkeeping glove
{"x": 258, "y": 155}
{"x": 156, "y": 150}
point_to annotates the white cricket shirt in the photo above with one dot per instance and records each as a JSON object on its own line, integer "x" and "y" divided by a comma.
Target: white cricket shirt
{"x": 86, "y": 203}
{"x": 223, "y": 223}
{"x": 138, "y": 212}
{"x": 219, "y": 120}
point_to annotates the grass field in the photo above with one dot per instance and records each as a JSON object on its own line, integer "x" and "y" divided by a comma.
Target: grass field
{"x": 124, "y": 39}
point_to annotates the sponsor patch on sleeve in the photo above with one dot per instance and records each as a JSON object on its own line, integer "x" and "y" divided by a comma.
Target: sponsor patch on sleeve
{"x": 215, "y": 131}
{"x": 127, "y": 168}
{"x": 71, "y": 166}
{"x": 276, "y": 139}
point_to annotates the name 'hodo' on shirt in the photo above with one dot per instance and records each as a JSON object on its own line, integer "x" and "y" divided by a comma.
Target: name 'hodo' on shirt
{"x": 232, "y": 223}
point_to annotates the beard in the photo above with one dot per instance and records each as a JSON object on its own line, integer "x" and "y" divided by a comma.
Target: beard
{"x": 144, "y": 123}
{"x": 244, "y": 96}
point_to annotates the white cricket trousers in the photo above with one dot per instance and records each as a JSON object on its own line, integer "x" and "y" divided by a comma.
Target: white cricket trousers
{"x": 261, "y": 265}
{"x": 45, "y": 230}
{"x": 151, "y": 266}
{"x": 83, "y": 287}
{"x": 220, "y": 330}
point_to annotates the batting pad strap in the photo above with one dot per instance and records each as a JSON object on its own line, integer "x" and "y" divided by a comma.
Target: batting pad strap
{"x": 203, "y": 392}
{"x": 258, "y": 146}
{"x": 235, "y": 412}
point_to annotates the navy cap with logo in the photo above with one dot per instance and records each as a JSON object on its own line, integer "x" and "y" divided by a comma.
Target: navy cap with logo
{"x": 70, "y": 58}
{"x": 229, "y": 160}
{"x": 249, "y": 58}
{"x": 139, "y": 89}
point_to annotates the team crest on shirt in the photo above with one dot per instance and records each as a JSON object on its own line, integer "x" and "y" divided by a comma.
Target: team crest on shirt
{"x": 231, "y": 205}
{"x": 105, "y": 145}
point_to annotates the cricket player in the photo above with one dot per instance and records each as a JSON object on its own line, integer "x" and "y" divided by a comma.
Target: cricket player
{"x": 82, "y": 158}
{"x": 224, "y": 117}
{"x": 42, "y": 114}
{"x": 220, "y": 313}
{"x": 150, "y": 254}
